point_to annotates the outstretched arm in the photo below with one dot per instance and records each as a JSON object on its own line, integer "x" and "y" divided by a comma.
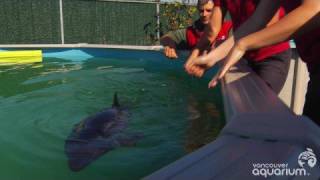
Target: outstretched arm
{"x": 304, "y": 17}
{"x": 265, "y": 14}
{"x": 291, "y": 25}
{"x": 169, "y": 47}
{"x": 170, "y": 42}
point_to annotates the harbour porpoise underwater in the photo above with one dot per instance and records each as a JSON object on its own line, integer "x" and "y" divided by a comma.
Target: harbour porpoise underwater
{"x": 98, "y": 134}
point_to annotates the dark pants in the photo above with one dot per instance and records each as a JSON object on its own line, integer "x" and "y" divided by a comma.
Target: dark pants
{"x": 273, "y": 70}
{"x": 311, "y": 104}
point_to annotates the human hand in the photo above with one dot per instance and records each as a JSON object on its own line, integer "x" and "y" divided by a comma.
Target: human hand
{"x": 189, "y": 63}
{"x": 214, "y": 81}
{"x": 201, "y": 64}
{"x": 233, "y": 57}
{"x": 170, "y": 52}
{"x": 193, "y": 68}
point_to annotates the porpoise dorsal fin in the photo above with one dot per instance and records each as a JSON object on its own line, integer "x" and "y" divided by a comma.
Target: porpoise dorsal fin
{"x": 115, "y": 100}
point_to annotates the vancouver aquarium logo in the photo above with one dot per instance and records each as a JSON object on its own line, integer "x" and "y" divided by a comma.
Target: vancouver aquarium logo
{"x": 306, "y": 161}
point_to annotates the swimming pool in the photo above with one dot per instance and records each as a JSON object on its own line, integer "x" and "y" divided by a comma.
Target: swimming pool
{"x": 40, "y": 104}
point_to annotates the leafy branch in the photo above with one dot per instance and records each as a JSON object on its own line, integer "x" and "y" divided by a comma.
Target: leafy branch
{"x": 172, "y": 17}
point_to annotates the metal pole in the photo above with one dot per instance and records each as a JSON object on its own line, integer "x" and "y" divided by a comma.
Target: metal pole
{"x": 294, "y": 81}
{"x": 61, "y": 21}
{"x": 158, "y": 19}
{"x": 131, "y": 1}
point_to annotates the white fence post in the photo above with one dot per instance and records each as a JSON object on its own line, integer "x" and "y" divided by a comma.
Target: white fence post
{"x": 61, "y": 21}
{"x": 158, "y": 19}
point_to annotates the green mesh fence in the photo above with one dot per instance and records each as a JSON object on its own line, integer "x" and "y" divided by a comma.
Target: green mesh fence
{"x": 104, "y": 22}
{"x": 85, "y": 21}
{"x": 29, "y": 21}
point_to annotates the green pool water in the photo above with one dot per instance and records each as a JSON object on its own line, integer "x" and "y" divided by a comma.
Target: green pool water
{"x": 40, "y": 103}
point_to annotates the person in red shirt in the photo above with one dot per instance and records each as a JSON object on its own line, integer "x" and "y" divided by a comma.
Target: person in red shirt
{"x": 302, "y": 24}
{"x": 270, "y": 63}
{"x": 187, "y": 38}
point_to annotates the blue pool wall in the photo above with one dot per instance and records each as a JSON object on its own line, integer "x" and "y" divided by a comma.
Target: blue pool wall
{"x": 84, "y": 54}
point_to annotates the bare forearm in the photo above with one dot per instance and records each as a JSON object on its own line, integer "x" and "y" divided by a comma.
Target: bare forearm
{"x": 221, "y": 51}
{"x": 262, "y": 16}
{"x": 284, "y": 29}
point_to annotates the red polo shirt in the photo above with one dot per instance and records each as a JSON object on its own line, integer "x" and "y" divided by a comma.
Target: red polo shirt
{"x": 308, "y": 44}
{"x": 240, "y": 11}
{"x": 194, "y": 33}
